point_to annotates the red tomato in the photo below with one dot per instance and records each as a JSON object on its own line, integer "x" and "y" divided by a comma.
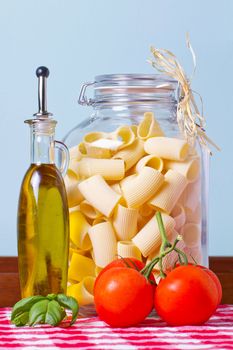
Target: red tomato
{"x": 213, "y": 276}
{"x": 187, "y": 296}
{"x": 216, "y": 281}
{"x": 125, "y": 262}
{"x": 123, "y": 297}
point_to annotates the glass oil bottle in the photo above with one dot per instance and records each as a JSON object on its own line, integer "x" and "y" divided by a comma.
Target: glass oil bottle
{"x": 43, "y": 217}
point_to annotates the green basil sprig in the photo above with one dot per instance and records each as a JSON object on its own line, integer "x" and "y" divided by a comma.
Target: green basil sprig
{"x": 44, "y": 310}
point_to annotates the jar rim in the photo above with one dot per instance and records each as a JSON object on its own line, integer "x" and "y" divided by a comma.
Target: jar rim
{"x": 134, "y": 78}
{"x": 127, "y": 88}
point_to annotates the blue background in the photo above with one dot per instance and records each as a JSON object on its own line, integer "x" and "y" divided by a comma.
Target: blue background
{"x": 80, "y": 39}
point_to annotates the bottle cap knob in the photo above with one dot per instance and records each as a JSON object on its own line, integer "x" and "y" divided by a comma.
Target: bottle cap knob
{"x": 42, "y": 72}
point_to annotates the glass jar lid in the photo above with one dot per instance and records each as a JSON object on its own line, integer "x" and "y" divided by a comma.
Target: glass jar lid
{"x": 131, "y": 88}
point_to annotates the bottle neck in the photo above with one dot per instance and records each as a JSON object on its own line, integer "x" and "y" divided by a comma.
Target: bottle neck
{"x": 42, "y": 148}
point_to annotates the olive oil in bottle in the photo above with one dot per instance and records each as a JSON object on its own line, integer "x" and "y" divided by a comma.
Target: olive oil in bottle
{"x": 43, "y": 217}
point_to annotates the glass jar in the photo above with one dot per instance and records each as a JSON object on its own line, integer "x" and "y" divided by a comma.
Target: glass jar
{"x": 128, "y": 110}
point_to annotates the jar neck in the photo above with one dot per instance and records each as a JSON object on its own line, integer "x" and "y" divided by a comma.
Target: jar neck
{"x": 42, "y": 148}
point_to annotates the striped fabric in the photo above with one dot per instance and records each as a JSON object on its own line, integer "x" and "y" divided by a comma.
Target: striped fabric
{"x": 91, "y": 333}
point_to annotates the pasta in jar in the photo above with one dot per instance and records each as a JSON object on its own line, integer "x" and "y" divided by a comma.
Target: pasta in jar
{"x": 118, "y": 179}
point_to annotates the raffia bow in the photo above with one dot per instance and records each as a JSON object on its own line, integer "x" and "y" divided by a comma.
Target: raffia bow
{"x": 191, "y": 122}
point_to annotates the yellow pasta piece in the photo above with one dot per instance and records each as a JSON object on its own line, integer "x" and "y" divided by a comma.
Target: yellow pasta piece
{"x": 74, "y": 196}
{"x": 191, "y": 234}
{"x": 141, "y": 187}
{"x": 83, "y": 292}
{"x": 125, "y": 222}
{"x": 126, "y": 249}
{"x": 104, "y": 243}
{"x": 145, "y": 210}
{"x": 79, "y": 230}
{"x": 99, "y": 220}
{"x": 168, "y": 148}
{"x": 99, "y": 194}
{"x": 125, "y": 134}
{"x": 134, "y": 128}
{"x": 168, "y": 195}
{"x": 110, "y": 169}
{"x": 149, "y": 127}
{"x": 80, "y": 267}
{"x": 98, "y": 270}
{"x": 89, "y": 211}
{"x": 178, "y": 213}
{"x": 148, "y": 238}
{"x": 150, "y": 161}
{"x": 131, "y": 154}
{"x": 190, "y": 168}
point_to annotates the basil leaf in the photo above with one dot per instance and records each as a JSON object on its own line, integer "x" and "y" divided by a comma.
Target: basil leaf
{"x": 21, "y": 319}
{"x": 38, "y": 312}
{"x": 24, "y": 305}
{"x": 55, "y": 313}
{"x": 69, "y": 303}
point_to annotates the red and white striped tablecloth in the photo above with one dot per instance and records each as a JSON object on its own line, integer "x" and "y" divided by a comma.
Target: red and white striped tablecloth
{"x": 91, "y": 333}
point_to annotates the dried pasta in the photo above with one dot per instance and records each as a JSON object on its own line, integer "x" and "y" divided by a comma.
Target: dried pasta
{"x": 89, "y": 211}
{"x": 167, "y": 148}
{"x": 104, "y": 243}
{"x": 148, "y": 238}
{"x": 191, "y": 196}
{"x": 189, "y": 168}
{"x": 178, "y": 213}
{"x": 168, "y": 195}
{"x": 117, "y": 188}
{"x": 79, "y": 230}
{"x": 126, "y": 249}
{"x": 83, "y": 292}
{"x": 131, "y": 154}
{"x": 109, "y": 169}
{"x": 97, "y": 192}
{"x": 80, "y": 267}
{"x": 150, "y": 161}
{"x": 125, "y": 222}
{"x": 94, "y": 151}
{"x": 149, "y": 127}
{"x": 191, "y": 234}
{"x": 74, "y": 196}
{"x": 146, "y": 210}
{"x": 142, "y": 187}
{"x": 125, "y": 134}
{"x": 193, "y": 216}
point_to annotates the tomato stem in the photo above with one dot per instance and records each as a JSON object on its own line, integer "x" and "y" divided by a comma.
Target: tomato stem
{"x": 166, "y": 248}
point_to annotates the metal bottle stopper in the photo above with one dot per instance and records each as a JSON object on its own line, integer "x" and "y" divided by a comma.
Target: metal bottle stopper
{"x": 42, "y": 73}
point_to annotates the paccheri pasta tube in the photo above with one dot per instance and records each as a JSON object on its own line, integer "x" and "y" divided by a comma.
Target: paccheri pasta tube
{"x": 116, "y": 183}
{"x": 142, "y": 187}
{"x": 127, "y": 249}
{"x": 125, "y": 222}
{"x": 166, "y": 198}
{"x": 104, "y": 243}
{"x": 131, "y": 154}
{"x": 83, "y": 291}
{"x": 149, "y": 127}
{"x": 149, "y": 238}
{"x": 99, "y": 194}
{"x": 167, "y": 148}
{"x": 109, "y": 169}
